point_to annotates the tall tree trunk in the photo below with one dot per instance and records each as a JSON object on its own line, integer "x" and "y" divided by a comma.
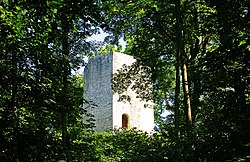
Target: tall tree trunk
{"x": 184, "y": 70}
{"x": 185, "y": 86}
{"x": 66, "y": 73}
{"x": 177, "y": 66}
{"x": 182, "y": 62}
{"x": 177, "y": 77}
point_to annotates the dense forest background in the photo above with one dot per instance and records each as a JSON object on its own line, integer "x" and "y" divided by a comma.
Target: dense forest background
{"x": 198, "y": 52}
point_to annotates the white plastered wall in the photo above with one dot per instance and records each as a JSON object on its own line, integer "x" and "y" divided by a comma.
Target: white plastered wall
{"x": 139, "y": 117}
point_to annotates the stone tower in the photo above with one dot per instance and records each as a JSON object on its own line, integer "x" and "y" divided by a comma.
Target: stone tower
{"x": 109, "y": 112}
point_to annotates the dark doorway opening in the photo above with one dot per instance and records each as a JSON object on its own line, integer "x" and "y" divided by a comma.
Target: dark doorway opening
{"x": 125, "y": 121}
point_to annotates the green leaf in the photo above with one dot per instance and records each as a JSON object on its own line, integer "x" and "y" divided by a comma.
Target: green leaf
{"x": 248, "y": 47}
{"x": 242, "y": 42}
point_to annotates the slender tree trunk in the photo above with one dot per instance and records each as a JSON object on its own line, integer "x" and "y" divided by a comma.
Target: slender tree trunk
{"x": 177, "y": 81}
{"x": 183, "y": 66}
{"x": 185, "y": 86}
{"x": 66, "y": 73}
{"x": 177, "y": 94}
{"x": 177, "y": 67}
{"x": 183, "y": 63}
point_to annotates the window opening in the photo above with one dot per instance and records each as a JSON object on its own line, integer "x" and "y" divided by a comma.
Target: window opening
{"x": 125, "y": 121}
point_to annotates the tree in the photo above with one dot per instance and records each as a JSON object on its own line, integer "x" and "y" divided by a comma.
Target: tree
{"x": 193, "y": 47}
{"x": 202, "y": 44}
{"x": 41, "y": 43}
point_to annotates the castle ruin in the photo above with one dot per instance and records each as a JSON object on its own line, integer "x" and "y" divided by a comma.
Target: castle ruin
{"x": 109, "y": 112}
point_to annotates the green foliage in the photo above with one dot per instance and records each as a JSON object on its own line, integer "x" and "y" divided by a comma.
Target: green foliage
{"x": 105, "y": 50}
{"x": 41, "y": 42}
{"x": 122, "y": 145}
{"x": 212, "y": 37}
{"x": 40, "y": 100}
{"x": 109, "y": 48}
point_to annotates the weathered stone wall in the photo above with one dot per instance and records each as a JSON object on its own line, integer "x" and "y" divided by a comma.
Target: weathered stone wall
{"x": 98, "y": 88}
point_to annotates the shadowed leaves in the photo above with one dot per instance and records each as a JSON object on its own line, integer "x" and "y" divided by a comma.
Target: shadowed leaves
{"x": 136, "y": 77}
